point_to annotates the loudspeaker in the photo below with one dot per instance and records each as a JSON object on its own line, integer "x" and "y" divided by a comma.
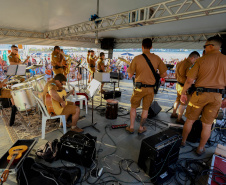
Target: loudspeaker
{"x": 223, "y": 50}
{"x": 158, "y": 152}
{"x": 154, "y": 109}
{"x": 107, "y": 43}
{"x": 116, "y": 75}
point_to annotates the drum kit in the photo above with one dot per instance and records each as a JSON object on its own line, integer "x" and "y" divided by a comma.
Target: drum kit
{"x": 22, "y": 89}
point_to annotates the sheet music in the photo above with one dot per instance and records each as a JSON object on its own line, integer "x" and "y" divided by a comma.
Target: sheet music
{"x": 16, "y": 70}
{"x": 93, "y": 87}
{"x": 21, "y": 70}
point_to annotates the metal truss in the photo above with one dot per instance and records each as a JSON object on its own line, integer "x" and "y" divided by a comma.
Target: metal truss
{"x": 19, "y": 33}
{"x": 172, "y": 10}
{"x": 29, "y": 34}
{"x": 174, "y": 38}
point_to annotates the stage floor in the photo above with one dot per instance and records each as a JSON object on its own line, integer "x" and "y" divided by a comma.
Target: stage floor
{"x": 127, "y": 145}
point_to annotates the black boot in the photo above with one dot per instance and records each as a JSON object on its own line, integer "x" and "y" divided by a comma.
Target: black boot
{"x": 13, "y": 114}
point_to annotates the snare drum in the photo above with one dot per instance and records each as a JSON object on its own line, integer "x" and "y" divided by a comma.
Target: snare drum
{"x": 112, "y": 109}
{"x": 23, "y": 99}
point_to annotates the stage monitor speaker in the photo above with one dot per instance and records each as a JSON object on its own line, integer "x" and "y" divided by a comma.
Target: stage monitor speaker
{"x": 157, "y": 153}
{"x": 107, "y": 43}
{"x": 154, "y": 109}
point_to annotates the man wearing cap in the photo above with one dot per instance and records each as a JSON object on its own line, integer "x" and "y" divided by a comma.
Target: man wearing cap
{"x": 181, "y": 76}
{"x": 209, "y": 72}
{"x": 146, "y": 79}
{"x": 57, "y": 59}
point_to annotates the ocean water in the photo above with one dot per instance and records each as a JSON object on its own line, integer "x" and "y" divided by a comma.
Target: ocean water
{"x": 169, "y": 56}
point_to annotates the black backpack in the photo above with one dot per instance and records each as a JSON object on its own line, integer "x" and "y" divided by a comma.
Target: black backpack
{"x": 32, "y": 173}
{"x": 50, "y": 151}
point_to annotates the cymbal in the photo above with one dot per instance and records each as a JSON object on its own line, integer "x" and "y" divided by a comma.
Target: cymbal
{"x": 18, "y": 77}
{"x": 40, "y": 75}
{"x": 34, "y": 66}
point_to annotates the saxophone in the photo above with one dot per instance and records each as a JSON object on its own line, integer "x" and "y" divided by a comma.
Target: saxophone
{"x": 69, "y": 59}
{"x": 108, "y": 69}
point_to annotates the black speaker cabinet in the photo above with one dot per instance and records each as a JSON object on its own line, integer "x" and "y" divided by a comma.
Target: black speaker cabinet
{"x": 115, "y": 75}
{"x": 78, "y": 148}
{"x": 154, "y": 109}
{"x": 159, "y": 151}
{"x": 107, "y": 43}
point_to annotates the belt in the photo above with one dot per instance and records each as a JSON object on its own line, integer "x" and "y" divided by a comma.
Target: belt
{"x": 91, "y": 66}
{"x": 145, "y": 85}
{"x": 0, "y": 91}
{"x": 57, "y": 67}
{"x": 202, "y": 89}
{"x": 181, "y": 84}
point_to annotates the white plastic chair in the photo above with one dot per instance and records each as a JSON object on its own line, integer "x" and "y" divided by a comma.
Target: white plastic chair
{"x": 46, "y": 116}
{"x": 76, "y": 98}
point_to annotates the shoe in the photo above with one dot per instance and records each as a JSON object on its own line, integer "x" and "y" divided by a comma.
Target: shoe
{"x": 130, "y": 130}
{"x": 67, "y": 125}
{"x": 200, "y": 152}
{"x": 180, "y": 121}
{"x": 142, "y": 131}
{"x": 174, "y": 115}
{"x": 78, "y": 130}
{"x": 183, "y": 144}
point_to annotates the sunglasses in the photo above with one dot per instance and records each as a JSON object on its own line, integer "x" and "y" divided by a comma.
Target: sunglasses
{"x": 16, "y": 49}
{"x": 207, "y": 45}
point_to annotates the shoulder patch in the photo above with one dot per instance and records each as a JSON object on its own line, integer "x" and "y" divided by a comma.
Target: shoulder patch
{"x": 55, "y": 56}
{"x": 10, "y": 56}
{"x": 53, "y": 84}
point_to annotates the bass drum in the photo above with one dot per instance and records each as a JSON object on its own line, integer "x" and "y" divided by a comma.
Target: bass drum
{"x": 112, "y": 109}
{"x": 23, "y": 99}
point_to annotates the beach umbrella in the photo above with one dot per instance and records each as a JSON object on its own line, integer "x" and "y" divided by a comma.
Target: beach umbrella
{"x": 129, "y": 54}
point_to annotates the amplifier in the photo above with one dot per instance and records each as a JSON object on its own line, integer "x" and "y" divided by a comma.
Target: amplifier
{"x": 109, "y": 94}
{"x": 154, "y": 157}
{"x": 115, "y": 75}
{"x": 78, "y": 148}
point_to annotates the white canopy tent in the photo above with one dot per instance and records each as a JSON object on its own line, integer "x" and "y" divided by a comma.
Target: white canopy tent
{"x": 172, "y": 24}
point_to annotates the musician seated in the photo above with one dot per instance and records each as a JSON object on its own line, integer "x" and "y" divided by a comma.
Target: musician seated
{"x": 101, "y": 67}
{"x": 6, "y": 93}
{"x": 69, "y": 108}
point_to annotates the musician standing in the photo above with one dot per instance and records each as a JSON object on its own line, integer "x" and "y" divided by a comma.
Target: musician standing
{"x": 181, "y": 76}
{"x": 209, "y": 72}
{"x": 87, "y": 60}
{"x": 92, "y": 64}
{"x": 70, "y": 108}
{"x": 101, "y": 67}
{"x": 57, "y": 61}
{"x": 14, "y": 56}
{"x": 145, "y": 76}
{"x": 64, "y": 63}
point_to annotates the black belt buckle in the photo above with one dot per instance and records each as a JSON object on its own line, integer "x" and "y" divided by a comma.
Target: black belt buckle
{"x": 199, "y": 90}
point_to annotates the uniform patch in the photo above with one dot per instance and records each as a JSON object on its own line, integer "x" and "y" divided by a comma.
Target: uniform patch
{"x": 10, "y": 56}
{"x": 53, "y": 84}
{"x": 55, "y": 56}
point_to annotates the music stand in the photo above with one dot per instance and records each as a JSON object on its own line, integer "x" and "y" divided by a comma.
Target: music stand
{"x": 19, "y": 70}
{"x": 91, "y": 91}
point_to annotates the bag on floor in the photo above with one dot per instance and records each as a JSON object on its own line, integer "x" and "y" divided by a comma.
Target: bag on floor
{"x": 32, "y": 173}
{"x": 50, "y": 151}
